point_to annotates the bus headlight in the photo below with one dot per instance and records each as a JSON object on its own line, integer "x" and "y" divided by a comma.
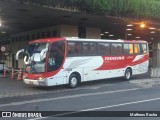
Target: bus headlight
{"x": 40, "y": 78}
{"x": 24, "y": 77}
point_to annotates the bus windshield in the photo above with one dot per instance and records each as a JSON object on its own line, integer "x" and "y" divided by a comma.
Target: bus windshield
{"x": 56, "y": 56}
{"x": 35, "y": 57}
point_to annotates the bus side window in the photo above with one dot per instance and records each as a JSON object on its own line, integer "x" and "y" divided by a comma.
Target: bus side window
{"x": 116, "y": 48}
{"x": 119, "y": 49}
{"x": 93, "y": 48}
{"x": 89, "y": 48}
{"x": 143, "y": 48}
{"x": 74, "y": 48}
{"x": 71, "y": 48}
{"x": 130, "y": 48}
{"x": 103, "y": 48}
{"x": 78, "y": 48}
{"x": 125, "y": 48}
{"x": 136, "y": 48}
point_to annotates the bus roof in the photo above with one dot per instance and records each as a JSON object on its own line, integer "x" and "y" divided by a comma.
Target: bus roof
{"x": 104, "y": 40}
{"x": 85, "y": 40}
{"x": 43, "y": 40}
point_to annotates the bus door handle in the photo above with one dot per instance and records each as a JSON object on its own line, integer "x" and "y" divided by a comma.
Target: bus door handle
{"x": 86, "y": 74}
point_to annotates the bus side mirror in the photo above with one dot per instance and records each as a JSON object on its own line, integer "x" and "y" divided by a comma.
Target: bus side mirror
{"x": 17, "y": 54}
{"x": 27, "y": 58}
{"x": 43, "y": 54}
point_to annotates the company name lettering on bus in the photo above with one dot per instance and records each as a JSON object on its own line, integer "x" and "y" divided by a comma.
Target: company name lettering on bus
{"x": 115, "y": 58}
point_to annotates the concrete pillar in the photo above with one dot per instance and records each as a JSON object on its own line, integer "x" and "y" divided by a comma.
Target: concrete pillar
{"x": 156, "y": 55}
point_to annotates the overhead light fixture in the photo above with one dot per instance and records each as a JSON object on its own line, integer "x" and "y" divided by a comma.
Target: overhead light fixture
{"x": 129, "y": 29}
{"x": 3, "y": 32}
{"x": 111, "y": 35}
{"x": 106, "y": 32}
{"x": 138, "y": 37}
{"x": 152, "y": 28}
{"x": 0, "y": 24}
{"x": 152, "y": 32}
{"x": 142, "y": 25}
{"x": 102, "y": 34}
{"x": 129, "y": 25}
{"x": 129, "y": 34}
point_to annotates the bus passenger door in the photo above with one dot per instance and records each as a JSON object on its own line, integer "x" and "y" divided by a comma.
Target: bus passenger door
{"x": 138, "y": 59}
{"x": 143, "y": 67}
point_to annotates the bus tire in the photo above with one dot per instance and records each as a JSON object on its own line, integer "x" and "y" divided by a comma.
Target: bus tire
{"x": 128, "y": 74}
{"x": 73, "y": 81}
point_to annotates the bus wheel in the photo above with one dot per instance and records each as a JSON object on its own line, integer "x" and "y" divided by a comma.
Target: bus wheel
{"x": 128, "y": 74}
{"x": 73, "y": 81}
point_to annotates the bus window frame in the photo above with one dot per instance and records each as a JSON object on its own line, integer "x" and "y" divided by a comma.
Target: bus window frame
{"x": 109, "y": 48}
{"x": 74, "y": 55}
{"x": 116, "y": 53}
{"x": 141, "y": 48}
{"x": 132, "y": 49}
{"x": 96, "y": 51}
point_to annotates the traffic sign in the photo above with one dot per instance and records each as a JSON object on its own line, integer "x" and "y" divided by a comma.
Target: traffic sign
{"x": 3, "y": 48}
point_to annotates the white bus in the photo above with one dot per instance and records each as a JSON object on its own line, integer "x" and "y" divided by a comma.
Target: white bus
{"x": 57, "y": 61}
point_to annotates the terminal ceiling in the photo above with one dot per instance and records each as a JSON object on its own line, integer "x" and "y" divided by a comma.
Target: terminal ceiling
{"x": 17, "y": 17}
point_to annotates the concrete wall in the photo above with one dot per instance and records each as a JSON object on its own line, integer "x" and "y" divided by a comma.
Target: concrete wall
{"x": 72, "y": 31}
{"x": 68, "y": 31}
{"x": 94, "y": 33}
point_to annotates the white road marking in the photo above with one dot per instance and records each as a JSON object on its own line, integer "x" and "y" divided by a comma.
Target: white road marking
{"x": 123, "y": 104}
{"x": 99, "y": 108}
{"x": 66, "y": 97}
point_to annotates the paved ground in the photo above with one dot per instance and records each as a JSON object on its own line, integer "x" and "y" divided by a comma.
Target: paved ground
{"x": 12, "y": 87}
{"x": 139, "y": 94}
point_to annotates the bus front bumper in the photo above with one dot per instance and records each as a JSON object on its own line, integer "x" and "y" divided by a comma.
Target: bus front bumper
{"x": 35, "y": 82}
